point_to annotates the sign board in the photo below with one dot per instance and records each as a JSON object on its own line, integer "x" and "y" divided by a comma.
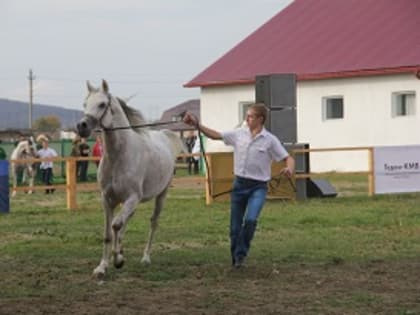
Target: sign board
{"x": 397, "y": 169}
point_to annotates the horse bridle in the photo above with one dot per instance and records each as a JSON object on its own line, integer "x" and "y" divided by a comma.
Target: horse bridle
{"x": 106, "y": 107}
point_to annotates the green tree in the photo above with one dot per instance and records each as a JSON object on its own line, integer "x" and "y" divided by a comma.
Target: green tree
{"x": 47, "y": 123}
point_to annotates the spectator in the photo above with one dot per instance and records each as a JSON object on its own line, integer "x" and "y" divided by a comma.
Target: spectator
{"x": 47, "y": 166}
{"x": 75, "y": 152}
{"x": 189, "y": 143}
{"x": 84, "y": 151}
{"x": 97, "y": 149}
{"x": 196, "y": 158}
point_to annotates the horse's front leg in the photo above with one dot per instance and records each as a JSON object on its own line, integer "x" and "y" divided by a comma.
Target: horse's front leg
{"x": 153, "y": 225}
{"x": 108, "y": 206}
{"x": 119, "y": 225}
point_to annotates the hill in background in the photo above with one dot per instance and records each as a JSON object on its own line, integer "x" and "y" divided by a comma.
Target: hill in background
{"x": 15, "y": 114}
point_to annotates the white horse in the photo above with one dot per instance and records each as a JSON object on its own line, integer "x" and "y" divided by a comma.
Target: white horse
{"x": 137, "y": 166}
{"x": 24, "y": 150}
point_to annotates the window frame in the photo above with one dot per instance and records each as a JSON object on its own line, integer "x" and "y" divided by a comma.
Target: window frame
{"x": 242, "y": 109}
{"x": 401, "y": 109}
{"x": 325, "y": 107}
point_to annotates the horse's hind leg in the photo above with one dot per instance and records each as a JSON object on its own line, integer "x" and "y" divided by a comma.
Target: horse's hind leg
{"x": 30, "y": 181}
{"x": 153, "y": 225}
{"x": 108, "y": 207}
{"x": 14, "y": 175}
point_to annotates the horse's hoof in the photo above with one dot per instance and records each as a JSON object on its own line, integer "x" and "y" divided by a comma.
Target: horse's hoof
{"x": 146, "y": 260}
{"x": 119, "y": 261}
{"x": 98, "y": 273}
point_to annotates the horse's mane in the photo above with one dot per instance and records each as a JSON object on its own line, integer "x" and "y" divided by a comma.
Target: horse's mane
{"x": 133, "y": 115}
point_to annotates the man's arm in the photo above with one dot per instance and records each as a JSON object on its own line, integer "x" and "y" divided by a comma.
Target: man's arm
{"x": 211, "y": 133}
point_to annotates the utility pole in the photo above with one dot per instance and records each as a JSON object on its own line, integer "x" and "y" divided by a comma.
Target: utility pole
{"x": 31, "y": 78}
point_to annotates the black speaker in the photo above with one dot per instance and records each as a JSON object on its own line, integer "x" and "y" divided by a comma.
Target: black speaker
{"x": 302, "y": 165}
{"x": 319, "y": 188}
{"x": 278, "y": 93}
{"x": 301, "y": 189}
{"x": 283, "y": 124}
{"x": 276, "y": 90}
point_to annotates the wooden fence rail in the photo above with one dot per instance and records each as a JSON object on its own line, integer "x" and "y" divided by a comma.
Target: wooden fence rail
{"x": 71, "y": 186}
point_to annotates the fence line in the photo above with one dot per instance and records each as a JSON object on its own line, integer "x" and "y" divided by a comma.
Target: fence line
{"x": 71, "y": 184}
{"x": 369, "y": 172}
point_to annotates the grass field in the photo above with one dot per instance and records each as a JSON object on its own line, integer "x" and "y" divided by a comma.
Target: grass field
{"x": 348, "y": 255}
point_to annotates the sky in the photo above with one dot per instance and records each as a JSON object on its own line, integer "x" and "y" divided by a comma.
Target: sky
{"x": 147, "y": 49}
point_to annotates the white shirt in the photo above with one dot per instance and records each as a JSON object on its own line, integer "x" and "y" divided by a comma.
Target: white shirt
{"x": 253, "y": 156}
{"x": 46, "y": 153}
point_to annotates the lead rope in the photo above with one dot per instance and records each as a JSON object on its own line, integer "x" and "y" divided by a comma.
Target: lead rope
{"x": 203, "y": 151}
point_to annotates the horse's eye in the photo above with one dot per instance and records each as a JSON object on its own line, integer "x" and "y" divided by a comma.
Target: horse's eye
{"x": 102, "y": 105}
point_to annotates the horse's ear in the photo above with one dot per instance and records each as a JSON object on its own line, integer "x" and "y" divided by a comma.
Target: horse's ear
{"x": 89, "y": 87}
{"x": 105, "y": 87}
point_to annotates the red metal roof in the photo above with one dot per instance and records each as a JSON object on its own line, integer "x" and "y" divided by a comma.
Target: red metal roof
{"x": 319, "y": 39}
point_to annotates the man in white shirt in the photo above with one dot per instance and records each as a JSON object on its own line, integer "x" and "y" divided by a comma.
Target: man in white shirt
{"x": 47, "y": 166}
{"x": 254, "y": 150}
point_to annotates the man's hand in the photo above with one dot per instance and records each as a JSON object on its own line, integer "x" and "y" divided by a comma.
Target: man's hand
{"x": 287, "y": 172}
{"x": 190, "y": 119}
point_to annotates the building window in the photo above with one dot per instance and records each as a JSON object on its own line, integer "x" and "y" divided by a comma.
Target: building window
{"x": 403, "y": 103}
{"x": 332, "y": 107}
{"x": 243, "y": 107}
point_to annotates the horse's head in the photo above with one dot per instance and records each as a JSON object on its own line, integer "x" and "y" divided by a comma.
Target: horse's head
{"x": 97, "y": 111}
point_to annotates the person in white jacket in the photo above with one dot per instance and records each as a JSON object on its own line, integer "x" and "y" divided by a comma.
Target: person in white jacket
{"x": 46, "y": 167}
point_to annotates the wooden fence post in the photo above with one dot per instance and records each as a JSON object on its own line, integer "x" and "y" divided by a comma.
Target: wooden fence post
{"x": 371, "y": 176}
{"x": 71, "y": 184}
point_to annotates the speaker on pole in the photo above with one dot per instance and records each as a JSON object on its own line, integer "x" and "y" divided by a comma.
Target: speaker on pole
{"x": 278, "y": 93}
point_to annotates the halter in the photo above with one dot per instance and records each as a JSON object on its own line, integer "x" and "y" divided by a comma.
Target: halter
{"x": 107, "y": 106}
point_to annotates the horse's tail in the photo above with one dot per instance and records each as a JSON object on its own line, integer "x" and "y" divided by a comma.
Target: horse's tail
{"x": 177, "y": 146}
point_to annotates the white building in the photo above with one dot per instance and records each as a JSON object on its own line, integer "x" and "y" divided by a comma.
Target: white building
{"x": 358, "y": 76}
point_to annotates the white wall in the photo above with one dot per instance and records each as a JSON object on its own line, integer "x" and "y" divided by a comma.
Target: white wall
{"x": 367, "y": 116}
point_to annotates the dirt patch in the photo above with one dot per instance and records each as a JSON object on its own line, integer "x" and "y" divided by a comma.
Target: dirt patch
{"x": 341, "y": 288}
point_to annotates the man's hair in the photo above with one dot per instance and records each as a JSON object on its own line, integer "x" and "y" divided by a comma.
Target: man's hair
{"x": 260, "y": 110}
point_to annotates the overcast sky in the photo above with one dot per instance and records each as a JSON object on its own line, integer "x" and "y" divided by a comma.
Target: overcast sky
{"x": 148, "y": 47}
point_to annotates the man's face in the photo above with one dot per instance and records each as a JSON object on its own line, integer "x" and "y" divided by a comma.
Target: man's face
{"x": 252, "y": 119}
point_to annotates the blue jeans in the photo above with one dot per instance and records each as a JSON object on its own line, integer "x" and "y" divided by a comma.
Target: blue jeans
{"x": 247, "y": 200}
{"x": 47, "y": 175}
